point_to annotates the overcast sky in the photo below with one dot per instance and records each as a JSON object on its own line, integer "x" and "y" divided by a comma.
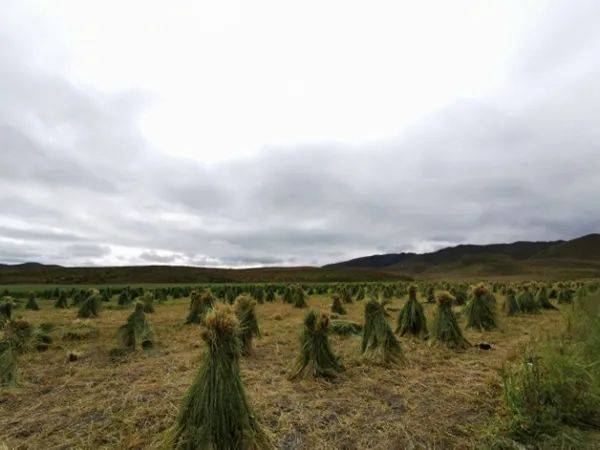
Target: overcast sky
{"x": 223, "y": 133}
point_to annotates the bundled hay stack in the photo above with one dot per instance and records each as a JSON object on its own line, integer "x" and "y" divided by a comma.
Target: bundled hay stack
{"x": 411, "y": 318}
{"x": 31, "y": 302}
{"x": 136, "y": 330}
{"x": 445, "y": 330}
{"x": 200, "y": 305}
{"x": 215, "y": 413}
{"x": 481, "y": 309}
{"x": 379, "y": 345}
{"x": 345, "y": 327}
{"x": 61, "y": 301}
{"x": 336, "y": 306}
{"x": 6, "y": 307}
{"x": 16, "y": 337}
{"x": 543, "y": 299}
{"x": 148, "y": 302}
{"x": 299, "y": 297}
{"x": 244, "y": 308}
{"x": 527, "y": 302}
{"x": 511, "y": 306}
{"x": 90, "y": 307}
{"x": 565, "y": 295}
{"x": 316, "y": 358}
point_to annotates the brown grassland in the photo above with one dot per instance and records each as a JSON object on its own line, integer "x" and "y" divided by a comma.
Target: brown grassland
{"x": 439, "y": 399}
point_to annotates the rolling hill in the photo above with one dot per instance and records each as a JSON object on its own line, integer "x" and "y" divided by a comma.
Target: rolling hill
{"x": 575, "y": 258}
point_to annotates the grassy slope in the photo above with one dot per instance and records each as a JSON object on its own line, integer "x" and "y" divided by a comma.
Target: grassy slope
{"x": 174, "y": 274}
{"x": 440, "y": 399}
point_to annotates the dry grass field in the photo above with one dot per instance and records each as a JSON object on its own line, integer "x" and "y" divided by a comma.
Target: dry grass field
{"x": 439, "y": 399}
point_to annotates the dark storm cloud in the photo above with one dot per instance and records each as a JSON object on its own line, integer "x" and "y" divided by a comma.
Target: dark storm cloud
{"x": 79, "y": 185}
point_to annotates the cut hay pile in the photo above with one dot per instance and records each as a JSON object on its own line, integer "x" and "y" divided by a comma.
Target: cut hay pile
{"x": 336, "y": 306}
{"x": 137, "y": 331}
{"x": 345, "y": 327}
{"x": 200, "y": 305}
{"x": 481, "y": 309}
{"x": 379, "y": 345}
{"x": 445, "y": 330}
{"x": 411, "y": 319}
{"x": 245, "y": 311}
{"x": 511, "y": 306}
{"x": 90, "y": 307}
{"x": 316, "y": 359}
{"x": 215, "y": 413}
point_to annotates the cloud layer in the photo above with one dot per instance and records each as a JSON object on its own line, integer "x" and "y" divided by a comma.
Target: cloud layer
{"x": 80, "y": 186}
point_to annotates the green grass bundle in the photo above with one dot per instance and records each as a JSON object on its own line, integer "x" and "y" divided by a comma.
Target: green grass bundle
{"x": 200, "y": 305}
{"x": 430, "y": 294}
{"x": 245, "y": 311}
{"x": 90, "y": 307}
{"x": 136, "y": 331}
{"x": 125, "y": 298}
{"x": 543, "y": 299}
{"x": 61, "y": 301}
{"x": 345, "y": 327}
{"x": 215, "y": 413}
{"x": 8, "y": 364}
{"x": 511, "y": 306}
{"x": 565, "y": 295}
{"x": 299, "y": 297}
{"x": 527, "y": 302}
{"x": 411, "y": 318}
{"x": 481, "y": 309}
{"x": 32, "y": 303}
{"x": 6, "y": 308}
{"x": 336, "y": 306}
{"x": 360, "y": 295}
{"x": 345, "y": 295}
{"x": 316, "y": 359}
{"x": 148, "y": 302}
{"x": 379, "y": 345}
{"x": 16, "y": 337}
{"x": 445, "y": 330}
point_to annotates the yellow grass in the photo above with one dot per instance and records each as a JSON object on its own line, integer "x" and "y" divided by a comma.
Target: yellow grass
{"x": 439, "y": 399}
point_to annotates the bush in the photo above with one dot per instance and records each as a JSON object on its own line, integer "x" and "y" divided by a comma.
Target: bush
{"x": 556, "y": 383}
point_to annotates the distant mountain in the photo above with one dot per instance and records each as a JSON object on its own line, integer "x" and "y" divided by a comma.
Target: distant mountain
{"x": 582, "y": 254}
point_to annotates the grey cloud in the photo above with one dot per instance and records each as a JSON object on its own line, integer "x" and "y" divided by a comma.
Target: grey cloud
{"x": 478, "y": 171}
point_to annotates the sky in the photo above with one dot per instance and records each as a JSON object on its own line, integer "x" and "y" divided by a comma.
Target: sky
{"x": 238, "y": 134}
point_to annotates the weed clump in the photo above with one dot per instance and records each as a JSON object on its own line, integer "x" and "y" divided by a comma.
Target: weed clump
{"x": 446, "y": 330}
{"x": 316, "y": 358}
{"x": 411, "y": 318}
{"x": 379, "y": 345}
{"x": 215, "y": 413}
